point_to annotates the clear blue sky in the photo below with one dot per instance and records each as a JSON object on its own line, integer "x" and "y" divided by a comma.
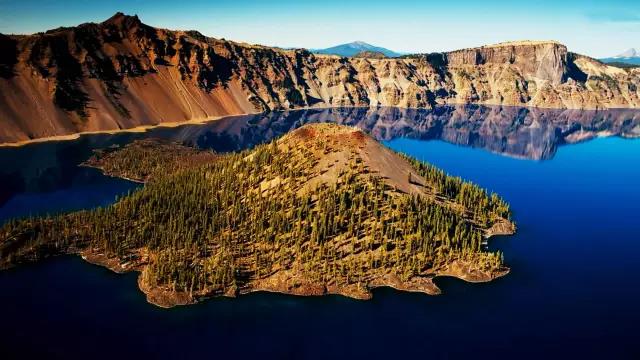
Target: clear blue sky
{"x": 597, "y": 28}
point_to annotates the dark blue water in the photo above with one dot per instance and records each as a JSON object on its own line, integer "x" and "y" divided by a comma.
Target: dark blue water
{"x": 88, "y": 189}
{"x": 572, "y": 291}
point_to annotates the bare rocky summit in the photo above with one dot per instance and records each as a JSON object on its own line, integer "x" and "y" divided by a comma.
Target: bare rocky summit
{"x": 121, "y": 74}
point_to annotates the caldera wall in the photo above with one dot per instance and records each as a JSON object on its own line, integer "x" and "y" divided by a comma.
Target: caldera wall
{"x": 122, "y": 73}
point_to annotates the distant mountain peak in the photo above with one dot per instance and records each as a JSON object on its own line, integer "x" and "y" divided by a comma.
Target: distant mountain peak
{"x": 122, "y": 19}
{"x": 353, "y": 48}
{"x": 629, "y": 57}
{"x": 119, "y": 17}
{"x": 631, "y": 53}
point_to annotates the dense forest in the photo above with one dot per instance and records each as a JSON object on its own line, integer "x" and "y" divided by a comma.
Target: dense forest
{"x": 307, "y": 206}
{"x": 141, "y": 159}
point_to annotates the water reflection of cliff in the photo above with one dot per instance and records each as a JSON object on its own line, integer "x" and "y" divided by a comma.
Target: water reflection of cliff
{"x": 519, "y": 132}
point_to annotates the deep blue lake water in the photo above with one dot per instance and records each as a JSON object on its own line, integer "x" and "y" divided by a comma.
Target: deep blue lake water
{"x": 572, "y": 291}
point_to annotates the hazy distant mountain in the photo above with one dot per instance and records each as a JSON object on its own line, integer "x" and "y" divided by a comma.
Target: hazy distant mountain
{"x": 631, "y": 53}
{"x": 354, "y": 48}
{"x": 631, "y": 56}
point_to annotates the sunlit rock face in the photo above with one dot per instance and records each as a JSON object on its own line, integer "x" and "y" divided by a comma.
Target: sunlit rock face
{"x": 122, "y": 73}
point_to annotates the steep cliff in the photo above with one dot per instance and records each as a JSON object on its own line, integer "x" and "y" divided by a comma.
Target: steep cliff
{"x": 122, "y": 73}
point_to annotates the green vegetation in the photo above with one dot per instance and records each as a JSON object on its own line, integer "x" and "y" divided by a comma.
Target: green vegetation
{"x": 623, "y": 65}
{"x": 368, "y": 54}
{"x": 222, "y": 226}
{"x": 142, "y": 159}
{"x": 597, "y": 80}
{"x": 484, "y": 208}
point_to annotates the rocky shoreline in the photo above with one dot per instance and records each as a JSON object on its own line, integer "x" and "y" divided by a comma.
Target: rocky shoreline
{"x": 289, "y": 284}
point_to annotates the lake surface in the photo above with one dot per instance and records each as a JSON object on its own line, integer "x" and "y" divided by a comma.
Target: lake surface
{"x": 572, "y": 291}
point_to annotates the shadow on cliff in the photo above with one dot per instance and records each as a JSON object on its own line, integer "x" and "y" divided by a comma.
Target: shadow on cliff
{"x": 8, "y": 56}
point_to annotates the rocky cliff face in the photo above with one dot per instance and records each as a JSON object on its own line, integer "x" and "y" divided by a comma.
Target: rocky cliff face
{"x": 537, "y": 60}
{"x": 122, "y": 73}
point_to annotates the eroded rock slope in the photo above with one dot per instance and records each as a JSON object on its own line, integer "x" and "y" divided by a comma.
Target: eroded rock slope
{"x": 122, "y": 73}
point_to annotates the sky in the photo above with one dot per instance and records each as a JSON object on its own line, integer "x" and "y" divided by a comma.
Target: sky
{"x": 595, "y": 28}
